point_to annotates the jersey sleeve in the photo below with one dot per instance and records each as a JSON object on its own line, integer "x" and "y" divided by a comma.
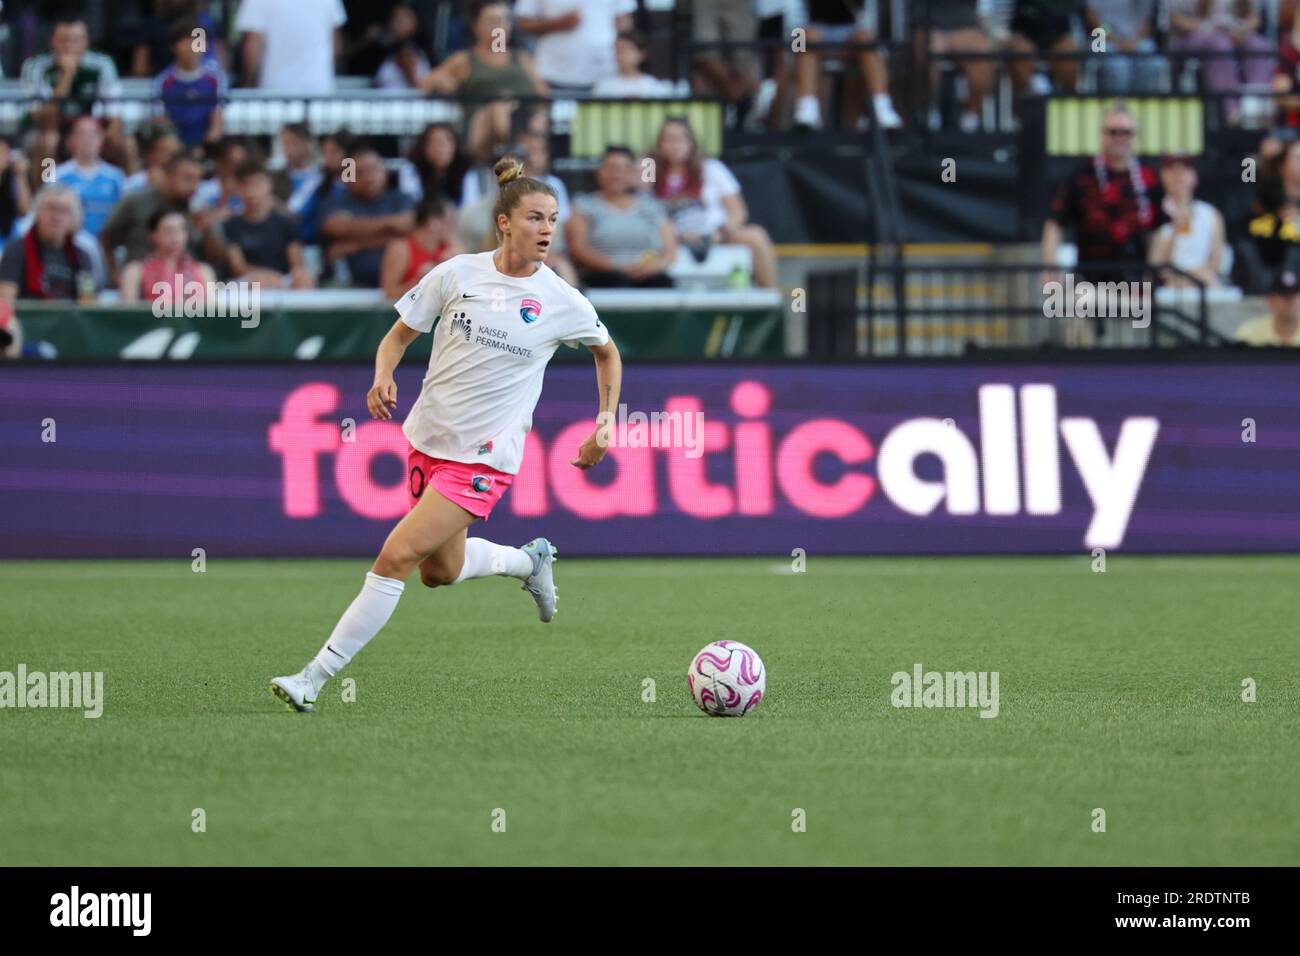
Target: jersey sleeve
{"x": 584, "y": 326}
{"x": 421, "y": 307}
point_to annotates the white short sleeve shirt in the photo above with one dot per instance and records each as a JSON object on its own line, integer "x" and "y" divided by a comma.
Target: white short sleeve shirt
{"x": 489, "y": 355}
{"x": 298, "y": 55}
{"x": 581, "y": 56}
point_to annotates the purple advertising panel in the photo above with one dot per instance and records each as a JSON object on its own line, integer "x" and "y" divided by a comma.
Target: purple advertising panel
{"x": 156, "y": 460}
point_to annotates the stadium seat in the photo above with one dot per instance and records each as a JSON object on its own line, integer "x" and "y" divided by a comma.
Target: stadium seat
{"x": 715, "y": 271}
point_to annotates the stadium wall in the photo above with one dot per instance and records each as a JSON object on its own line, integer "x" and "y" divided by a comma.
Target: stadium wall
{"x": 156, "y": 459}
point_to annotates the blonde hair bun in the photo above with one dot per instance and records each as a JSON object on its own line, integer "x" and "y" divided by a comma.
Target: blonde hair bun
{"x": 508, "y": 169}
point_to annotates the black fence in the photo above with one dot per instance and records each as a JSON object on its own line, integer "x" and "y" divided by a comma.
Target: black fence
{"x": 941, "y": 310}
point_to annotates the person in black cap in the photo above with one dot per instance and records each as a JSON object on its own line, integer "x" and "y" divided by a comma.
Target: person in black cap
{"x": 1282, "y": 325}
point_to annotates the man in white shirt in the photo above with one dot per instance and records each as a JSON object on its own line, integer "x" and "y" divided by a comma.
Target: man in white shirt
{"x": 290, "y": 45}
{"x": 576, "y": 39}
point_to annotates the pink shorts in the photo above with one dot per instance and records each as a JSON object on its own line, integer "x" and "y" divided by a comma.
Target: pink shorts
{"x": 476, "y": 488}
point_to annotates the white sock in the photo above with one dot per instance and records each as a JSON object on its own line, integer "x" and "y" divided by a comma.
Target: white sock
{"x": 364, "y": 618}
{"x": 483, "y": 558}
{"x": 808, "y": 110}
{"x": 882, "y": 101}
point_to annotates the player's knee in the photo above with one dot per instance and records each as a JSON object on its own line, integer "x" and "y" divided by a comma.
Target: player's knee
{"x": 391, "y": 564}
{"x": 436, "y": 577}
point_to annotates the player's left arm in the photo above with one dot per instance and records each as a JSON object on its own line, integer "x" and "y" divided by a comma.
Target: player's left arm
{"x": 609, "y": 382}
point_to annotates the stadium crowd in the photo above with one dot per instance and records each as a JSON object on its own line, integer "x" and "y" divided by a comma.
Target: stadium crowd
{"x": 86, "y": 205}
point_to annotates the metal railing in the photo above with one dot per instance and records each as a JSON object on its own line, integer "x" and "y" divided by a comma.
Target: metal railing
{"x": 953, "y": 309}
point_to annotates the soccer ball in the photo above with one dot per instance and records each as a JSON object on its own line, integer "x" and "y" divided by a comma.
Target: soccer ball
{"x": 727, "y": 679}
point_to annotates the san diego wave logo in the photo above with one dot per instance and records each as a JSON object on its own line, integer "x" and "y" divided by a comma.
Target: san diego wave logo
{"x": 530, "y": 310}
{"x": 460, "y": 325}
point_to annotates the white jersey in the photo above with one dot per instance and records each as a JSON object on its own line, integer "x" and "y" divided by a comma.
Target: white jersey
{"x": 489, "y": 354}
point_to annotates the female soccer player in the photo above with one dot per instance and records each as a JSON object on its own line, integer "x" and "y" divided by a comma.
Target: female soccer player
{"x": 504, "y": 313}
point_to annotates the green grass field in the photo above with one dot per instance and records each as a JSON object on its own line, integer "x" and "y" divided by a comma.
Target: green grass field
{"x": 1119, "y": 690}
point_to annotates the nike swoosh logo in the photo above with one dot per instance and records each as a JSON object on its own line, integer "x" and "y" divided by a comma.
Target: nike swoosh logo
{"x": 332, "y": 651}
{"x": 475, "y": 296}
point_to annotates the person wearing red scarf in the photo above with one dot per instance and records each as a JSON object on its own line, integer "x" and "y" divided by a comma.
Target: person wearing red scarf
{"x": 45, "y": 263}
{"x": 1112, "y": 203}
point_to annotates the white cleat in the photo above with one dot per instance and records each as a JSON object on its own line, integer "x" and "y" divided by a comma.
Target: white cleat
{"x": 296, "y": 691}
{"x": 541, "y": 583}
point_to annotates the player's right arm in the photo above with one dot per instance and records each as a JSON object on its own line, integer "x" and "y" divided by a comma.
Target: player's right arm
{"x": 417, "y": 310}
{"x": 382, "y": 397}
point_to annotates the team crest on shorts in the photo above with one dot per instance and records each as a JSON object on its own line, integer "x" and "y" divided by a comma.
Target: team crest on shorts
{"x": 530, "y": 310}
{"x": 481, "y": 483}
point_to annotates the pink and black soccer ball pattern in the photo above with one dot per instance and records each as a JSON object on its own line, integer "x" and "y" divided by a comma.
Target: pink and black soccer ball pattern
{"x": 727, "y": 679}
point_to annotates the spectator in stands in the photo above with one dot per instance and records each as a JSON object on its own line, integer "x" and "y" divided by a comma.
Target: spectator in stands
{"x": 490, "y": 69}
{"x": 435, "y": 166}
{"x": 704, "y": 201}
{"x": 953, "y": 26}
{"x": 1128, "y": 30}
{"x": 15, "y": 191}
{"x": 630, "y": 82}
{"x": 289, "y": 45}
{"x": 158, "y": 145}
{"x": 71, "y": 73}
{"x": 129, "y": 225}
{"x": 1219, "y": 28}
{"x": 1112, "y": 202}
{"x": 406, "y": 64}
{"x": 262, "y": 241}
{"x": 620, "y": 236}
{"x": 169, "y": 267}
{"x": 1192, "y": 239}
{"x": 1271, "y": 236}
{"x": 1282, "y": 163}
{"x": 729, "y": 75}
{"x": 359, "y": 224}
{"x": 98, "y": 184}
{"x": 1281, "y": 327}
{"x": 220, "y": 193}
{"x": 192, "y": 89}
{"x": 45, "y": 262}
{"x": 153, "y": 50}
{"x": 575, "y": 45}
{"x": 1041, "y": 28}
{"x": 298, "y": 181}
{"x": 69, "y": 79}
{"x": 327, "y": 184}
{"x": 837, "y": 21}
{"x": 433, "y": 241}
